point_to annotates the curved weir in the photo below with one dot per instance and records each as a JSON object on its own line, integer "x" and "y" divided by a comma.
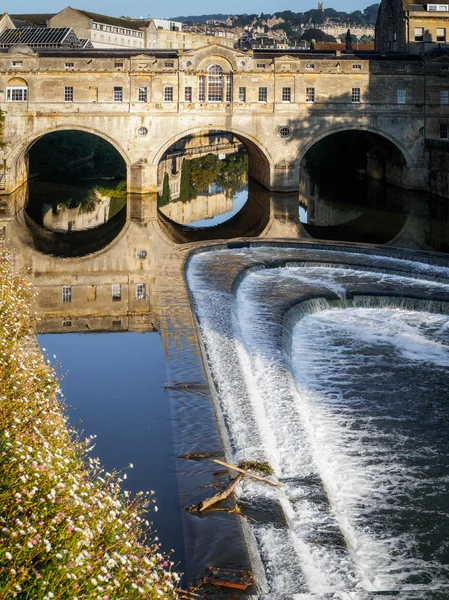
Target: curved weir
{"x": 332, "y": 366}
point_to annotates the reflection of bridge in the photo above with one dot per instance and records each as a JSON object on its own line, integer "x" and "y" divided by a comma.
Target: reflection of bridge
{"x": 278, "y": 105}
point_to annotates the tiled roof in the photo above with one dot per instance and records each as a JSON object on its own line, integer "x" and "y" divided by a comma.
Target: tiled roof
{"x": 337, "y": 46}
{"x": 37, "y": 20}
{"x": 128, "y": 24}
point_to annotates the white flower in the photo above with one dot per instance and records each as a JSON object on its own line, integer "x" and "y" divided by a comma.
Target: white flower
{"x": 8, "y": 555}
{"x": 131, "y": 466}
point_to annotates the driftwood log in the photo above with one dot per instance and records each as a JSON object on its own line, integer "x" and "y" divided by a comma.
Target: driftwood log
{"x": 225, "y": 493}
{"x": 258, "y": 477}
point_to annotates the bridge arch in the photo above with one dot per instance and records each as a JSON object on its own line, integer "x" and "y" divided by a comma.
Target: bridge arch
{"x": 260, "y": 160}
{"x": 307, "y": 145}
{"x": 25, "y": 146}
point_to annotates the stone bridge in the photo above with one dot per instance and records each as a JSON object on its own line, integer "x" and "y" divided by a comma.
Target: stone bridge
{"x": 278, "y": 105}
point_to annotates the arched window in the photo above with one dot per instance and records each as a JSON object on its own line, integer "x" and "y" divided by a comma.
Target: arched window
{"x": 215, "y": 84}
{"x": 17, "y": 90}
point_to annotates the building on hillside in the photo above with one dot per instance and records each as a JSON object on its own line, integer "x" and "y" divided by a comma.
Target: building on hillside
{"x": 170, "y": 35}
{"x": 403, "y": 26}
{"x": 42, "y": 37}
{"x": 101, "y": 30}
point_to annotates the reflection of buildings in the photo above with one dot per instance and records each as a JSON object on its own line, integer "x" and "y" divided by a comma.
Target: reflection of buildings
{"x": 220, "y": 143}
{"x": 77, "y": 218}
{"x": 203, "y": 207}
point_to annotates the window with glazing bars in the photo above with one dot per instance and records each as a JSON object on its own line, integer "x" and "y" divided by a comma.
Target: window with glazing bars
{"x": 286, "y": 94}
{"x": 228, "y": 88}
{"x": 66, "y": 293}
{"x": 263, "y": 94}
{"x": 168, "y": 94}
{"x": 355, "y": 95}
{"x": 141, "y": 291}
{"x": 215, "y": 84}
{"x": 443, "y": 131}
{"x": 188, "y": 94}
{"x": 116, "y": 291}
{"x": 68, "y": 94}
{"x": 143, "y": 94}
{"x": 118, "y": 94}
{"x": 242, "y": 94}
{"x": 401, "y": 95}
{"x": 310, "y": 94}
{"x": 16, "y": 94}
{"x": 201, "y": 88}
{"x": 444, "y": 96}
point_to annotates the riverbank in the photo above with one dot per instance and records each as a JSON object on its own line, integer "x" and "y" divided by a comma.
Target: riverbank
{"x": 67, "y": 528}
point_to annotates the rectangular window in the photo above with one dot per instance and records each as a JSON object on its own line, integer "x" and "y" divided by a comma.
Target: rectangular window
{"x": 441, "y": 34}
{"x": 143, "y": 94}
{"x": 67, "y": 323}
{"x": 118, "y": 94}
{"x": 118, "y": 65}
{"x": 443, "y": 131}
{"x": 310, "y": 66}
{"x": 310, "y": 94}
{"x": 201, "y": 88}
{"x": 168, "y": 94}
{"x": 188, "y": 94}
{"x": 401, "y": 96}
{"x": 68, "y": 94}
{"x": 286, "y": 94}
{"x": 141, "y": 291}
{"x": 116, "y": 292}
{"x": 263, "y": 94}
{"x": 16, "y": 94}
{"x": 419, "y": 34}
{"x": 261, "y": 65}
{"x": 228, "y": 88}
{"x": 242, "y": 94}
{"x": 66, "y": 293}
{"x": 444, "y": 96}
{"x": 355, "y": 95}
{"x": 357, "y": 67}
{"x": 69, "y": 65}
{"x": 169, "y": 65}
{"x": 17, "y": 63}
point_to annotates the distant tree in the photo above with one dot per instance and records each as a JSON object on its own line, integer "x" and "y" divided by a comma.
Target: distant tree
{"x": 317, "y": 35}
{"x": 317, "y": 17}
{"x": 342, "y": 38}
{"x": 331, "y": 13}
{"x": 370, "y": 14}
{"x": 164, "y": 198}
{"x": 186, "y": 189}
{"x": 357, "y": 18}
{"x": 366, "y": 39}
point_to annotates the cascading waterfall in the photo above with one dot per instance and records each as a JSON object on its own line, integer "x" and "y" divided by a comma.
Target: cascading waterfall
{"x": 332, "y": 367}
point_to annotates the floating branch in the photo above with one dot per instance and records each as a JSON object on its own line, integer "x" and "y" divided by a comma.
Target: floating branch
{"x": 239, "y": 470}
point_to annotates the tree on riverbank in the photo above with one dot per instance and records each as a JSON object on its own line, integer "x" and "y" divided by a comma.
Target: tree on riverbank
{"x": 67, "y": 528}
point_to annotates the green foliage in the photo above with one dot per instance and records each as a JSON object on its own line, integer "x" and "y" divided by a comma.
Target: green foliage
{"x": 68, "y": 530}
{"x": 317, "y": 35}
{"x": 164, "y": 198}
{"x": 187, "y": 190}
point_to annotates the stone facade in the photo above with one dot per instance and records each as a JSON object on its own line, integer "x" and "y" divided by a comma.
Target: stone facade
{"x": 402, "y": 26}
{"x": 278, "y": 105}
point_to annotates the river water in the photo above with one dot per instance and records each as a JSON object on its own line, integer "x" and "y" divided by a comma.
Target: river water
{"x": 330, "y": 363}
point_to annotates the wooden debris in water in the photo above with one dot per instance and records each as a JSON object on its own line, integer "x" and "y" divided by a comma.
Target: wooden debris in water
{"x": 200, "y": 455}
{"x": 222, "y": 495}
{"x": 191, "y": 387}
{"x": 239, "y": 470}
{"x": 230, "y": 578}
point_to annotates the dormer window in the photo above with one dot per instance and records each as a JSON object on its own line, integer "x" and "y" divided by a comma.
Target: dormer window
{"x": 438, "y": 7}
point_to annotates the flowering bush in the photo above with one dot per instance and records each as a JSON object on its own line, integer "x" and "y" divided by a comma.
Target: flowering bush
{"x": 67, "y": 530}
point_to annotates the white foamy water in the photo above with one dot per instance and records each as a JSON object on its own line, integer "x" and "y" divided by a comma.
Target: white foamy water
{"x": 337, "y": 424}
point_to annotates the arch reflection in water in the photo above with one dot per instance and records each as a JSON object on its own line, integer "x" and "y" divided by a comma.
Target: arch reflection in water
{"x": 202, "y": 179}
